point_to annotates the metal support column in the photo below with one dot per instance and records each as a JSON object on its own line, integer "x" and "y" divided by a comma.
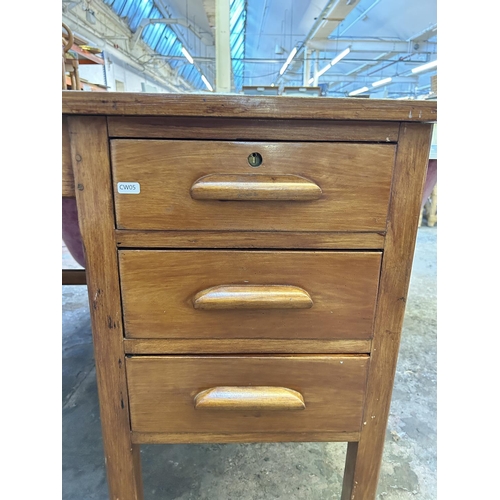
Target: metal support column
{"x": 316, "y": 68}
{"x": 307, "y": 67}
{"x": 222, "y": 47}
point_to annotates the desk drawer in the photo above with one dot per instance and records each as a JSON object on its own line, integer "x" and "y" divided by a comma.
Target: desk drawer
{"x": 211, "y": 294}
{"x": 247, "y": 394}
{"x": 211, "y": 185}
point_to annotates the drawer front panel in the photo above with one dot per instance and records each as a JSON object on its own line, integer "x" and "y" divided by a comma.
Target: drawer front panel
{"x": 212, "y": 185}
{"x": 246, "y": 393}
{"x": 210, "y": 294}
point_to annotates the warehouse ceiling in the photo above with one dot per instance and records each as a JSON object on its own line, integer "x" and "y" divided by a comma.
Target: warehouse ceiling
{"x": 376, "y": 45}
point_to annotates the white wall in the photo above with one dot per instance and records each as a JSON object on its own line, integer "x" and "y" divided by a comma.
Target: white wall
{"x": 116, "y": 70}
{"x": 93, "y": 73}
{"x": 132, "y": 80}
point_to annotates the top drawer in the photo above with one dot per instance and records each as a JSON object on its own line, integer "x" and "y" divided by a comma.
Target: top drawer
{"x": 212, "y": 185}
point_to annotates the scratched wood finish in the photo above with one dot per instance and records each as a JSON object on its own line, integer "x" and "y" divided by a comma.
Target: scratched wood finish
{"x": 255, "y": 187}
{"x": 180, "y": 127}
{"x": 364, "y": 459}
{"x": 355, "y": 180}
{"x": 162, "y": 389}
{"x": 282, "y": 107}
{"x": 245, "y": 346}
{"x": 248, "y": 239}
{"x": 257, "y": 398}
{"x": 243, "y": 437}
{"x": 158, "y": 287}
{"x": 90, "y": 158}
{"x": 68, "y": 180}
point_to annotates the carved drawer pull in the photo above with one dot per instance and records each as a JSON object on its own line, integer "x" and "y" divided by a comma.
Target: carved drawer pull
{"x": 249, "y": 398}
{"x": 255, "y": 187}
{"x": 253, "y": 297}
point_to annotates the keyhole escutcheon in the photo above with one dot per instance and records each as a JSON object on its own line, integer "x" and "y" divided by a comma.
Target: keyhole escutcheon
{"x": 255, "y": 159}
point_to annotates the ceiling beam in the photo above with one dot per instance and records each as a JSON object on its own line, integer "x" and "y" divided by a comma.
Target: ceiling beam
{"x": 167, "y": 15}
{"x": 337, "y": 13}
{"x": 205, "y": 38}
{"x": 334, "y": 12}
{"x": 367, "y": 79}
{"x": 372, "y": 45}
{"x": 249, "y": 60}
{"x": 425, "y": 34}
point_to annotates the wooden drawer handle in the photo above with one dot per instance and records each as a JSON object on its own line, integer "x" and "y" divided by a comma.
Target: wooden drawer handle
{"x": 255, "y": 187}
{"x": 249, "y": 398}
{"x": 253, "y": 297}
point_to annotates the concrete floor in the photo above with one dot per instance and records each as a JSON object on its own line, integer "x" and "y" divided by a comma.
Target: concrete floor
{"x": 311, "y": 471}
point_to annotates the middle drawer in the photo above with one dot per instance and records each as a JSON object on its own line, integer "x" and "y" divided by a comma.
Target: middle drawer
{"x": 209, "y": 294}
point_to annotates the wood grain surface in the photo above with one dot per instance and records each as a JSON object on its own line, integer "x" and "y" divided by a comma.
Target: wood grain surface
{"x": 256, "y": 398}
{"x": 220, "y": 105}
{"x": 162, "y": 391}
{"x": 252, "y": 297}
{"x": 208, "y": 375}
{"x": 90, "y": 158}
{"x": 243, "y": 437}
{"x": 203, "y": 127}
{"x": 355, "y": 180}
{"x": 255, "y": 187}
{"x": 158, "y": 287}
{"x": 245, "y": 346}
{"x": 364, "y": 459}
{"x": 249, "y": 239}
{"x": 68, "y": 180}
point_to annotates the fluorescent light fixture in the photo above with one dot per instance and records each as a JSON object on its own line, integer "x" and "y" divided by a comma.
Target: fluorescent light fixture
{"x": 289, "y": 60}
{"x": 187, "y": 55}
{"x": 425, "y": 67}
{"x": 324, "y": 70}
{"x": 321, "y": 72}
{"x": 382, "y": 82}
{"x": 207, "y": 83}
{"x": 335, "y": 60}
{"x": 359, "y": 91}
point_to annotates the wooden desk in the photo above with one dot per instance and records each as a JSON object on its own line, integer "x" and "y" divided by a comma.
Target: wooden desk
{"x": 248, "y": 260}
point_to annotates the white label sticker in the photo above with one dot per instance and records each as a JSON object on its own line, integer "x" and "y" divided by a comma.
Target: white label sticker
{"x": 129, "y": 187}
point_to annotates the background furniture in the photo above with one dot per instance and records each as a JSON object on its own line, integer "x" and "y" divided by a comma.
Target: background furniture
{"x": 248, "y": 260}
{"x": 429, "y": 198}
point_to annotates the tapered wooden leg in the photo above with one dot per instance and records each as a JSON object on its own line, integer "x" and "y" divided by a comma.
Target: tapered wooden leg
{"x": 350, "y": 465}
{"x": 362, "y": 468}
{"x": 365, "y": 457}
{"x": 91, "y": 168}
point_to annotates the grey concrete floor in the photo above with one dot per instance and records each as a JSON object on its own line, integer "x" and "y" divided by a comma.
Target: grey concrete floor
{"x": 311, "y": 471}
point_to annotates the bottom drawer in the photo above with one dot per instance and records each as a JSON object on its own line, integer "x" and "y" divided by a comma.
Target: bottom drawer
{"x": 246, "y": 394}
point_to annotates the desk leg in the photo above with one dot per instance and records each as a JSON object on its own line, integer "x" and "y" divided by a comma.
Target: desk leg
{"x": 365, "y": 457}
{"x": 93, "y": 188}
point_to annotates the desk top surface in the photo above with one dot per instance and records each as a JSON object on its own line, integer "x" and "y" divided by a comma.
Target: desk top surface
{"x": 242, "y": 106}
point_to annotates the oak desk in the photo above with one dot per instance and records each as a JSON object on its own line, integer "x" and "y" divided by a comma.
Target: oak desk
{"x": 248, "y": 260}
